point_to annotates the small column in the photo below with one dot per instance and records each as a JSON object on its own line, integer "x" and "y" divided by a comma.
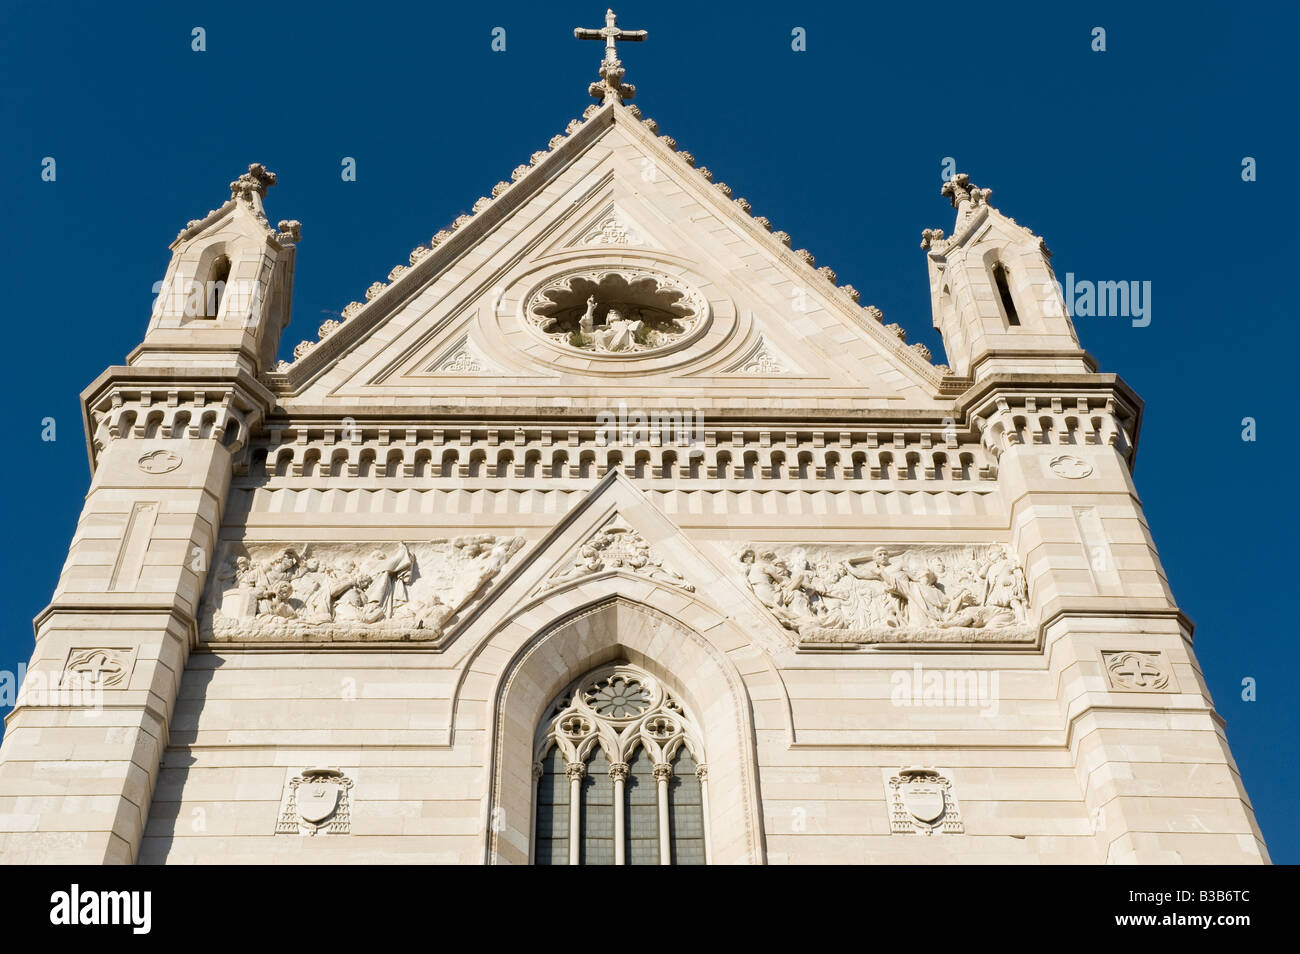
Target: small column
{"x": 618, "y": 772}
{"x": 702, "y": 773}
{"x": 663, "y": 772}
{"x": 576, "y": 772}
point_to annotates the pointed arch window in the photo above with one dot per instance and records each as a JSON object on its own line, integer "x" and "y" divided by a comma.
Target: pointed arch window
{"x": 214, "y": 290}
{"x": 1002, "y": 282}
{"x": 620, "y": 775}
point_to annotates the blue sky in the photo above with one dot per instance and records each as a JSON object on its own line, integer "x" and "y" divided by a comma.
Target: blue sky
{"x": 1128, "y": 162}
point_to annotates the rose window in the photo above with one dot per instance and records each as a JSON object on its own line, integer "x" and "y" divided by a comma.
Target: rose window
{"x": 618, "y": 697}
{"x": 616, "y": 311}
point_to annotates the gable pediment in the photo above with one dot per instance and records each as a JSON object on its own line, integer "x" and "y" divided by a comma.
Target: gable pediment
{"x": 611, "y": 214}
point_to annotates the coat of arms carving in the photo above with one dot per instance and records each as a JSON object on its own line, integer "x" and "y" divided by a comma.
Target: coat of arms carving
{"x": 318, "y": 799}
{"x": 921, "y": 801}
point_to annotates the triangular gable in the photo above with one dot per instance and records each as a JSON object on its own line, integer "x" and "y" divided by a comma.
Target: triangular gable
{"x": 613, "y": 194}
{"x": 615, "y": 532}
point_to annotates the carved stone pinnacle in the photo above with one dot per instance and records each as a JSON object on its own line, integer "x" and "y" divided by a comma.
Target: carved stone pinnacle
{"x": 253, "y": 182}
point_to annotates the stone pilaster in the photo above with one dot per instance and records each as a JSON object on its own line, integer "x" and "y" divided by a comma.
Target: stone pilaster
{"x": 1148, "y": 748}
{"x": 82, "y": 746}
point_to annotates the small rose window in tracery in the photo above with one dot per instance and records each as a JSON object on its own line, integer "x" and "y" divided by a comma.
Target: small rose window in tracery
{"x": 619, "y": 697}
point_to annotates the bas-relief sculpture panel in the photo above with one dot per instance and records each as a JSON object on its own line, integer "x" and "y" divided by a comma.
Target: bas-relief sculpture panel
{"x": 616, "y": 312}
{"x": 350, "y": 591}
{"x": 948, "y": 593}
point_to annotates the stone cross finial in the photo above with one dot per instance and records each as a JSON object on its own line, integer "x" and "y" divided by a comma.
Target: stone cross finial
{"x": 611, "y": 88}
{"x": 253, "y": 182}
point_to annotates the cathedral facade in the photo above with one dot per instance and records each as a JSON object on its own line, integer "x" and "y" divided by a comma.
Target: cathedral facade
{"x": 611, "y": 529}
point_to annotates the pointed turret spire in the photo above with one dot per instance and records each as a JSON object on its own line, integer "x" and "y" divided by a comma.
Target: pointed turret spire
{"x": 611, "y": 88}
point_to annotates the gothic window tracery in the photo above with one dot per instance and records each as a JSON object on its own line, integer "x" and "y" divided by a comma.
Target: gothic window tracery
{"x": 620, "y": 775}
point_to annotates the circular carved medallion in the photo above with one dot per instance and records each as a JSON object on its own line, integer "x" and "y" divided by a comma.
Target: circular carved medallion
{"x": 616, "y": 311}
{"x": 1069, "y": 467}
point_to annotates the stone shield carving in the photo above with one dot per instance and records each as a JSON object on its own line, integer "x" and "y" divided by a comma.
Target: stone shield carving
{"x": 316, "y": 800}
{"x": 921, "y": 801}
{"x": 329, "y": 592}
{"x": 935, "y": 593}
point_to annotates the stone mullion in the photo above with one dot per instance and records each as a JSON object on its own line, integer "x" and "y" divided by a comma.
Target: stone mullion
{"x": 576, "y": 771}
{"x": 663, "y": 772}
{"x": 618, "y": 772}
{"x": 702, "y": 773}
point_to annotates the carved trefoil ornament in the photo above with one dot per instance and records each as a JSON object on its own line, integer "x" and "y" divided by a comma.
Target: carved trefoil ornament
{"x": 316, "y": 800}
{"x": 939, "y": 593}
{"x": 921, "y": 802}
{"x": 355, "y": 591}
{"x": 1134, "y": 671}
{"x": 615, "y": 546}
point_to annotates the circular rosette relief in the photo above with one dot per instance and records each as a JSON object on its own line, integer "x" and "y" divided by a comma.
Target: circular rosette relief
{"x": 616, "y": 312}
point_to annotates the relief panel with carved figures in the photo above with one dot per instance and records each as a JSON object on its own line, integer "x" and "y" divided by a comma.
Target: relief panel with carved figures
{"x": 843, "y": 594}
{"x": 352, "y": 591}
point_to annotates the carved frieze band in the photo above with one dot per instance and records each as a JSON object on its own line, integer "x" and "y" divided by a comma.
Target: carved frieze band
{"x": 945, "y": 593}
{"x": 1017, "y": 420}
{"x": 222, "y": 413}
{"x": 333, "y": 592}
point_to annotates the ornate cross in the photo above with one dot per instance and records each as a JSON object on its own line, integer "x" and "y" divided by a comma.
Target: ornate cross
{"x": 611, "y": 88}
{"x": 97, "y": 669}
{"x": 1138, "y": 671}
{"x": 611, "y": 34}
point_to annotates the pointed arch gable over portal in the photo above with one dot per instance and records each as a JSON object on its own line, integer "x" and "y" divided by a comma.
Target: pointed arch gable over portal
{"x": 615, "y": 627}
